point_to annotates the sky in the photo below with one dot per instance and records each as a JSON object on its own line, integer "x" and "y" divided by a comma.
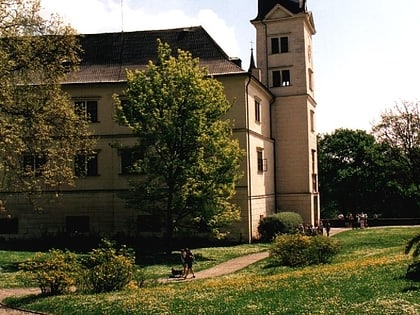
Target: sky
{"x": 366, "y": 53}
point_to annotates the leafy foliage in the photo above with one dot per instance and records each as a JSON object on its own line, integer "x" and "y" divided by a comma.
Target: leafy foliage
{"x": 301, "y": 250}
{"x": 399, "y": 128}
{"x": 191, "y": 162}
{"x": 107, "y": 269}
{"x": 279, "y": 223}
{"x": 39, "y": 131}
{"x": 413, "y": 247}
{"x": 54, "y": 272}
{"x": 359, "y": 174}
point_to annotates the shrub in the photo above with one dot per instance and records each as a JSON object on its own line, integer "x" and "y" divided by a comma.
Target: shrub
{"x": 54, "y": 272}
{"x": 302, "y": 250}
{"x": 279, "y": 223}
{"x": 413, "y": 248}
{"x": 108, "y": 269}
{"x": 322, "y": 249}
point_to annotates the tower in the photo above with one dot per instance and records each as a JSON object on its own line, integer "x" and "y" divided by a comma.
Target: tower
{"x": 284, "y": 30}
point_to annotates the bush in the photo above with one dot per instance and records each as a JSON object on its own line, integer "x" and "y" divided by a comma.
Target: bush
{"x": 301, "y": 250}
{"x": 54, "y": 272}
{"x": 279, "y": 223}
{"x": 108, "y": 269}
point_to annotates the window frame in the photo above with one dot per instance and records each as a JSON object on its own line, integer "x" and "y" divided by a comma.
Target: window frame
{"x": 77, "y": 224}
{"x": 33, "y": 164}
{"x": 261, "y": 161}
{"x": 281, "y": 78}
{"x": 257, "y": 104}
{"x": 90, "y": 166}
{"x": 87, "y": 109}
{"x": 279, "y": 45}
{"x": 127, "y": 162}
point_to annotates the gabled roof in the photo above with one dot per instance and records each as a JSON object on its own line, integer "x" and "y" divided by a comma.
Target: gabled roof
{"x": 106, "y": 56}
{"x": 265, "y": 6}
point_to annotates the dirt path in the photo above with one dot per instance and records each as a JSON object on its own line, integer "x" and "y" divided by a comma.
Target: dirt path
{"x": 227, "y": 267}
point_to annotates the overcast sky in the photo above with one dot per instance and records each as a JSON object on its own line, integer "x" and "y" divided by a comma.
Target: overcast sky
{"x": 366, "y": 53}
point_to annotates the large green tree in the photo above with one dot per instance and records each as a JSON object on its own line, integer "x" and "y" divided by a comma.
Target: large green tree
{"x": 357, "y": 173}
{"x": 399, "y": 127}
{"x": 39, "y": 131}
{"x": 190, "y": 161}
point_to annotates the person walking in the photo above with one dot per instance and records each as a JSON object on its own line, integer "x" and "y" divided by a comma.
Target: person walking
{"x": 189, "y": 260}
{"x": 183, "y": 256}
{"x": 328, "y": 228}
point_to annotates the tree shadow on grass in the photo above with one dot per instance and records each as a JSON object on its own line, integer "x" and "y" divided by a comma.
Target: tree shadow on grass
{"x": 22, "y": 301}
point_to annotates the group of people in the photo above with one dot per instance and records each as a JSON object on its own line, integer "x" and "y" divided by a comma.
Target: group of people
{"x": 187, "y": 260}
{"x": 358, "y": 221}
{"x": 318, "y": 229}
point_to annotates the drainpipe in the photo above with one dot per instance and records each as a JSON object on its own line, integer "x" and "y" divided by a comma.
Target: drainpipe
{"x": 273, "y": 99}
{"x": 248, "y": 159}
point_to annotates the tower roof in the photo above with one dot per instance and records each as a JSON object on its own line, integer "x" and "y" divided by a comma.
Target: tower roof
{"x": 294, "y": 6}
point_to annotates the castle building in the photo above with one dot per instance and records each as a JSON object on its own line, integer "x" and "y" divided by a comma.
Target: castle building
{"x": 273, "y": 115}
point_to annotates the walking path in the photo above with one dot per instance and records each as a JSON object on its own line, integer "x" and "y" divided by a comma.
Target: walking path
{"x": 227, "y": 267}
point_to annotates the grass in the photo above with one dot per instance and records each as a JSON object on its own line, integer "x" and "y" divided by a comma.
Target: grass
{"x": 365, "y": 278}
{"x": 155, "y": 267}
{"x": 9, "y": 261}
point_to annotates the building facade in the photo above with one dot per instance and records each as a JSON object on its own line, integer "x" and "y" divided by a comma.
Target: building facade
{"x": 273, "y": 113}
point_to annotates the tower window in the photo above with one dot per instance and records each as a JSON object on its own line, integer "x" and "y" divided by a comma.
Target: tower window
{"x": 275, "y": 45}
{"x": 285, "y": 77}
{"x": 284, "y": 44}
{"x": 312, "y": 120}
{"x": 281, "y": 78}
{"x": 276, "y": 78}
{"x": 279, "y": 45}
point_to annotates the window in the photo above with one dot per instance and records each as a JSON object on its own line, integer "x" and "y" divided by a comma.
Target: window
{"x": 314, "y": 169}
{"x": 257, "y": 111}
{"x": 275, "y": 45}
{"x": 311, "y": 78}
{"x": 285, "y": 77}
{"x": 284, "y": 44}
{"x": 77, "y": 224}
{"x": 9, "y": 226}
{"x": 314, "y": 183}
{"x": 87, "y": 109}
{"x": 86, "y": 165}
{"x": 312, "y": 120}
{"x": 276, "y": 78}
{"x": 148, "y": 223}
{"x": 281, "y": 78}
{"x": 261, "y": 162}
{"x": 128, "y": 159}
{"x": 279, "y": 45}
{"x": 127, "y": 110}
{"x": 34, "y": 164}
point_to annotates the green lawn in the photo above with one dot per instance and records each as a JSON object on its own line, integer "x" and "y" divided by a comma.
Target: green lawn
{"x": 365, "y": 278}
{"x": 9, "y": 261}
